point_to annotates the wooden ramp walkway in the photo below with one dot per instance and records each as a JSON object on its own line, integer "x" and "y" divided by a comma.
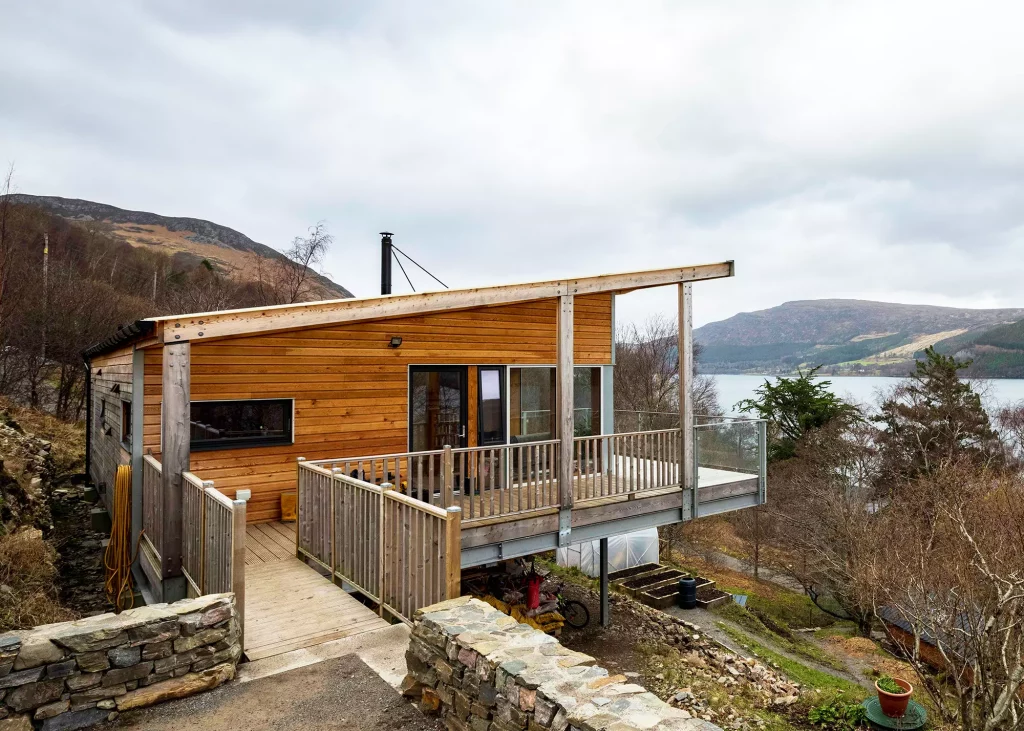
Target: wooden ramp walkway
{"x": 289, "y": 605}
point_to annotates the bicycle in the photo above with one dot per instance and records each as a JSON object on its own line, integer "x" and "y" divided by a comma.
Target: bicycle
{"x": 575, "y": 612}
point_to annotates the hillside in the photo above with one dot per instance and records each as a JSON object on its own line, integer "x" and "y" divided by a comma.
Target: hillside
{"x": 188, "y": 241}
{"x": 860, "y": 337}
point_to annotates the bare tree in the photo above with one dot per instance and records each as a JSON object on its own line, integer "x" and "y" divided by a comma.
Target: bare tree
{"x": 647, "y": 376}
{"x": 825, "y": 511}
{"x": 293, "y": 279}
{"x": 6, "y": 242}
{"x": 955, "y": 577}
{"x": 1010, "y": 421}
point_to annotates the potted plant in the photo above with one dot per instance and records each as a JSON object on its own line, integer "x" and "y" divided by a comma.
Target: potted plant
{"x": 893, "y": 695}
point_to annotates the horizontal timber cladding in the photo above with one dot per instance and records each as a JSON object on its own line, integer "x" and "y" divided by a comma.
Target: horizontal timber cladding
{"x": 152, "y": 386}
{"x": 351, "y": 389}
{"x": 111, "y": 375}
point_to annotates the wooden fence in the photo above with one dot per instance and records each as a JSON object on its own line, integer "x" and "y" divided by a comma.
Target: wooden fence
{"x": 212, "y": 541}
{"x": 152, "y": 509}
{"x": 401, "y": 552}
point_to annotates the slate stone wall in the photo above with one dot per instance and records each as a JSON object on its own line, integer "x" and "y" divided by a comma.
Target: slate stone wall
{"x": 483, "y": 671}
{"x": 74, "y": 674}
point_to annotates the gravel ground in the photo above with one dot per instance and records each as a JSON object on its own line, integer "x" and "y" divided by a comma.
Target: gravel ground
{"x": 342, "y": 694}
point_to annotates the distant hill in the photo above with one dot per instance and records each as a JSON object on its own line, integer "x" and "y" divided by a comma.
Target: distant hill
{"x": 188, "y": 240}
{"x": 861, "y": 337}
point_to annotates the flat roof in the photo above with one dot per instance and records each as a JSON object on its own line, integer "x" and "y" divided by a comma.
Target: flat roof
{"x": 226, "y": 323}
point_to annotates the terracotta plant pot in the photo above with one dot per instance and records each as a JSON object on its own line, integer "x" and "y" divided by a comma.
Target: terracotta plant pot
{"x": 894, "y": 705}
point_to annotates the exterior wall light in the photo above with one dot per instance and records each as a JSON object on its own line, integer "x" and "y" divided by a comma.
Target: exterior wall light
{"x": 395, "y": 342}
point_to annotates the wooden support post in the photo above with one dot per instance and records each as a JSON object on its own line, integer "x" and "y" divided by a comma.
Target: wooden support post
{"x": 298, "y": 507}
{"x": 448, "y": 478}
{"x": 176, "y": 429}
{"x": 382, "y": 563}
{"x": 687, "y": 468}
{"x": 564, "y": 411}
{"x": 335, "y": 471}
{"x": 606, "y": 615}
{"x": 238, "y": 563}
{"x": 453, "y": 553}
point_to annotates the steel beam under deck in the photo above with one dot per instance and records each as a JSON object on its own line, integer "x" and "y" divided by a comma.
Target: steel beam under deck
{"x": 539, "y": 543}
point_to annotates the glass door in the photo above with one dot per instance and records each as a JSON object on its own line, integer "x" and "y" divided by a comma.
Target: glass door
{"x": 491, "y": 406}
{"x": 437, "y": 407}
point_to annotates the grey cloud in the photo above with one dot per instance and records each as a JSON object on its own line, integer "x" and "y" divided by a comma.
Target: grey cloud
{"x": 868, "y": 149}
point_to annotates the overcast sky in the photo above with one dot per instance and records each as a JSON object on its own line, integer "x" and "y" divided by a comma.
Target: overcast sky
{"x": 857, "y": 149}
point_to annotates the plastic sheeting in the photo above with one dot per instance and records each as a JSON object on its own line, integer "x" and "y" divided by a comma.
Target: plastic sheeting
{"x": 624, "y": 551}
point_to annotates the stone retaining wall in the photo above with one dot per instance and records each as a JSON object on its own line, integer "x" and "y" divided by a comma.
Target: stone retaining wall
{"x": 74, "y": 674}
{"x": 483, "y": 671}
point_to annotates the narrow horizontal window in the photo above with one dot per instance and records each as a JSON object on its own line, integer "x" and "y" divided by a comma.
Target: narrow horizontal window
{"x": 233, "y": 424}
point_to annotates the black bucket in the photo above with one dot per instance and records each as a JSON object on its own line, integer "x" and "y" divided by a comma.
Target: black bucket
{"x": 688, "y": 592}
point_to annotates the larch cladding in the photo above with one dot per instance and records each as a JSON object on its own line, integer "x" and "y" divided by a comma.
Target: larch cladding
{"x": 74, "y": 674}
{"x": 483, "y": 671}
{"x": 350, "y": 388}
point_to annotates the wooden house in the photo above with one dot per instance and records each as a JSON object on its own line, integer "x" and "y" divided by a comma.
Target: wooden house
{"x": 490, "y": 409}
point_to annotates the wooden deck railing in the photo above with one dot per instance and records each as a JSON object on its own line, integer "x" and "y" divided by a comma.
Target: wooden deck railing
{"x": 506, "y": 479}
{"x": 212, "y": 541}
{"x": 619, "y": 464}
{"x": 152, "y": 510}
{"x": 401, "y": 552}
{"x": 419, "y": 474}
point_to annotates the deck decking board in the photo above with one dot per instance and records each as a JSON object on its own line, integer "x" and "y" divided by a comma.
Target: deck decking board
{"x": 289, "y": 605}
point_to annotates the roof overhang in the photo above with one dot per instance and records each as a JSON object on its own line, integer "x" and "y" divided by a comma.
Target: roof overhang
{"x": 226, "y": 323}
{"x": 124, "y": 336}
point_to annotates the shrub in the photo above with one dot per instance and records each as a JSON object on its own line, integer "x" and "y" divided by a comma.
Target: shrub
{"x": 838, "y": 715}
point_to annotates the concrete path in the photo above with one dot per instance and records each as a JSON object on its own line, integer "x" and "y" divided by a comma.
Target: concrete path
{"x": 340, "y": 694}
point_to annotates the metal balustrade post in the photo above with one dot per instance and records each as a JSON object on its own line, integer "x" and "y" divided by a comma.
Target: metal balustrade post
{"x": 762, "y": 460}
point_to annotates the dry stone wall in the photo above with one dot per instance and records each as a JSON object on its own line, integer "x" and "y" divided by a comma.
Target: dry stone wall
{"x": 74, "y": 674}
{"x": 483, "y": 671}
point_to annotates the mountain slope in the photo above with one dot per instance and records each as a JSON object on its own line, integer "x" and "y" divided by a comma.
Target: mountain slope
{"x": 846, "y": 336}
{"x": 189, "y": 239}
{"x": 998, "y": 351}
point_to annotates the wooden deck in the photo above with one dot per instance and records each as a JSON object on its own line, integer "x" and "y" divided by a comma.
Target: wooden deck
{"x": 289, "y": 605}
{"x": 522, "y": 501}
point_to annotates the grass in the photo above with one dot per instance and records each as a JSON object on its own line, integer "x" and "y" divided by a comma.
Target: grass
{"x": 569, "y": 574}
{"x": 29, "y": 575}
{"x": 779, "y": 635}
{"x": 794, "y": 670}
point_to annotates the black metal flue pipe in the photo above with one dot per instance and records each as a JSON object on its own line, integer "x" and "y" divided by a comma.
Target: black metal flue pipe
{"x": 385, "y": 262}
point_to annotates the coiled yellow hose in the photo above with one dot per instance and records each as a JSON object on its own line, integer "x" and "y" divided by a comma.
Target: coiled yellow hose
{"x": 118, "y": 557}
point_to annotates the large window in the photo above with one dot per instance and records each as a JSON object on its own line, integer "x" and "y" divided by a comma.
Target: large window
{"x": 532, "y": 403}
{"x": 230, "y": 424}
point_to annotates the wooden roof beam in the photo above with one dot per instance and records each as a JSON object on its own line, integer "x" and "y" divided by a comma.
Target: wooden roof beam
{"x": 311, "y": 314}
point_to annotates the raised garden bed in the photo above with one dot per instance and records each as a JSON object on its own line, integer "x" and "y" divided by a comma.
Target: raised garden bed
{"x": 661, "y": 597}
{"x": 667, "y": 595}
{"x": 708, "y": 596}
{"x": 634, "y": 571}
{"x": 646, "y": 582}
